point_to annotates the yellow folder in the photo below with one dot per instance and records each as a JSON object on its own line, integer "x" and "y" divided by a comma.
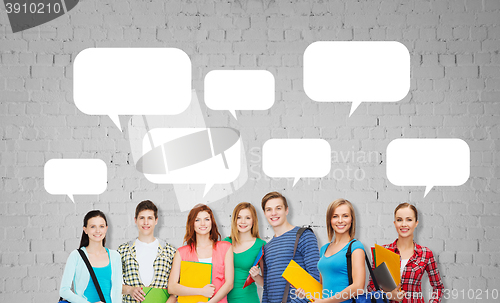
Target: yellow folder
{"x": 299, "y": 278}
{"x": 391, "y": 259}
{"x": 197, "y": 275}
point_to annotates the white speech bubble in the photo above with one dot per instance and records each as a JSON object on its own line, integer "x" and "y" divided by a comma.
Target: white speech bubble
{"x": 75, "y": 177}
{"x": 132, "y": 81}
{"x": 234, "y": 90}
{"x": 428, "y": 162}
{"x": 296, "y": 158}
{"x": 356, "y": 71}
{"x": 187, "y": 195}
{"x": 172, "y": 159}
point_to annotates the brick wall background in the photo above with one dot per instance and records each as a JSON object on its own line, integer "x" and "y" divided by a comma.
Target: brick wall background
{"x": 455, "y": 92}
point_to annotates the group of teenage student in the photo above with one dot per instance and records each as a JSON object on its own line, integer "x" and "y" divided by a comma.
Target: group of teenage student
{"x": 147, "y": 261}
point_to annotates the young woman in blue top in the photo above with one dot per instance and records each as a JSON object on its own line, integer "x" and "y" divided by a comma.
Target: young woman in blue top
{"x": 106, "y": 264}
{"x": 341, "y": 227}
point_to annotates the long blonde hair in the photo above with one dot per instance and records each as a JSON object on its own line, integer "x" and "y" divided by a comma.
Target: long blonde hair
{"x": 329, "y": 215}
{"x": 235, "y": 235}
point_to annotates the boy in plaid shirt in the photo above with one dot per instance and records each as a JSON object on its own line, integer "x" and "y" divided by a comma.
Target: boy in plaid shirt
{"x": 146, "y": 261}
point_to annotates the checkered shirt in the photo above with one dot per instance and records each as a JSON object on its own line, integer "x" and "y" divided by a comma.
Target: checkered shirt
{"x": 411, "y": 279}
{"x": 130, "y": 266}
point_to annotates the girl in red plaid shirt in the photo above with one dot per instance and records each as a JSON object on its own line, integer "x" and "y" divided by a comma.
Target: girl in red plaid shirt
{"x": 415, "y": 260}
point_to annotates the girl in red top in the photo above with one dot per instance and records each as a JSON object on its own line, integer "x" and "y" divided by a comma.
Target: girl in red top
{"x": 415, "y": 260}
{"x": 204, "y": 245}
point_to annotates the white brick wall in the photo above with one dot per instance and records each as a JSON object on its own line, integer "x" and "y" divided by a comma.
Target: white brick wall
{"x": 455, "y": 92}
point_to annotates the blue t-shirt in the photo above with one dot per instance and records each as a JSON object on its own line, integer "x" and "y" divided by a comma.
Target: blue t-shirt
{"x": 277, "y": 254}
{"x": 103, "y": 275}
{"x": 333, "y": 269}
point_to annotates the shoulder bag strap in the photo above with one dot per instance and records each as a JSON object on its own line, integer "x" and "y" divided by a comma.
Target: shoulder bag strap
{"x": 92, "y": 274}
{"x": 349, "y": 266}
{"x": 349, "y": 269}
{"x": 287, "y": 287}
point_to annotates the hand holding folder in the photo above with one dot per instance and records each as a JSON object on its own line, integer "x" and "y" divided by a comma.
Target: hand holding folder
{"x": 155, "y": 295}
{"x": 250, "y": 280}
{"x": 391, "y": 260}
{"x": 299, "y": 278}
{"x": 196, "y": 275}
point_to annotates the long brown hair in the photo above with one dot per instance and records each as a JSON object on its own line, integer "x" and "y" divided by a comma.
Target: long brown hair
{"x": 329, "y": 215}
{"x": 235, "y": 235}
{"x": 190, "y": 237}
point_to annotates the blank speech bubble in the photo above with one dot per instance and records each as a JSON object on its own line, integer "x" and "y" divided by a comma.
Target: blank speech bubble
{"x": 234, "y": 90}
{"x": 356, "y": 71}
{"x": 296, "y": 158}
{"x": 428, "y": 162}
{"x": 132, "y": 81}
{"x": 191, "y": 156}
{"x": 75, "y": 177}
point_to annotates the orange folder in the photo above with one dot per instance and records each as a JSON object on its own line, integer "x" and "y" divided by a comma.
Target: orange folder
{"x": 197, "y": 275}
{"x": 391, "y": 259}
{"x": 299, "y": 278}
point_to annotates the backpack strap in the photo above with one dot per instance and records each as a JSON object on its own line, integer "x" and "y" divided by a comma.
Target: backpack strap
{"x": 349, "y": 262}
{"x": 299, "y": 233}
{"x": 349, "y": 270}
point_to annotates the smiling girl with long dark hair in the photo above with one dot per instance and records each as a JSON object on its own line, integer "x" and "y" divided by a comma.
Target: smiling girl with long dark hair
{"x": 106, "y": 264}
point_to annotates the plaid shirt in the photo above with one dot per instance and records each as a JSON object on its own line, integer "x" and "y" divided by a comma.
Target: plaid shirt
{"x": 411, "y": 279}
{"x": 130, "y": 266}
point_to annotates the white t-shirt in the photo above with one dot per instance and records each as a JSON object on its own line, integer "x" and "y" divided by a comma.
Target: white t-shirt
{"x": 403, "y": 265}
{"x": 206, "y": 260}
{"x": 146, "y": 255}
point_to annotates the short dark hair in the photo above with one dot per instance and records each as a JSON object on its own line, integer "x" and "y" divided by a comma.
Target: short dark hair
{"x": 273, "y": 195}
{"x": 146, "y": 205}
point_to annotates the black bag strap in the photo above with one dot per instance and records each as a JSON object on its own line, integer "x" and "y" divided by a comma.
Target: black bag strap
{"x": 299, "y": 233}
{"x": 92, "y": 274}
{"x": 349, "y": 270}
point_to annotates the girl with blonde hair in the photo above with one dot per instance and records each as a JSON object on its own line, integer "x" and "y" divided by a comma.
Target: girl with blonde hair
{"x": 246, "y": 244}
